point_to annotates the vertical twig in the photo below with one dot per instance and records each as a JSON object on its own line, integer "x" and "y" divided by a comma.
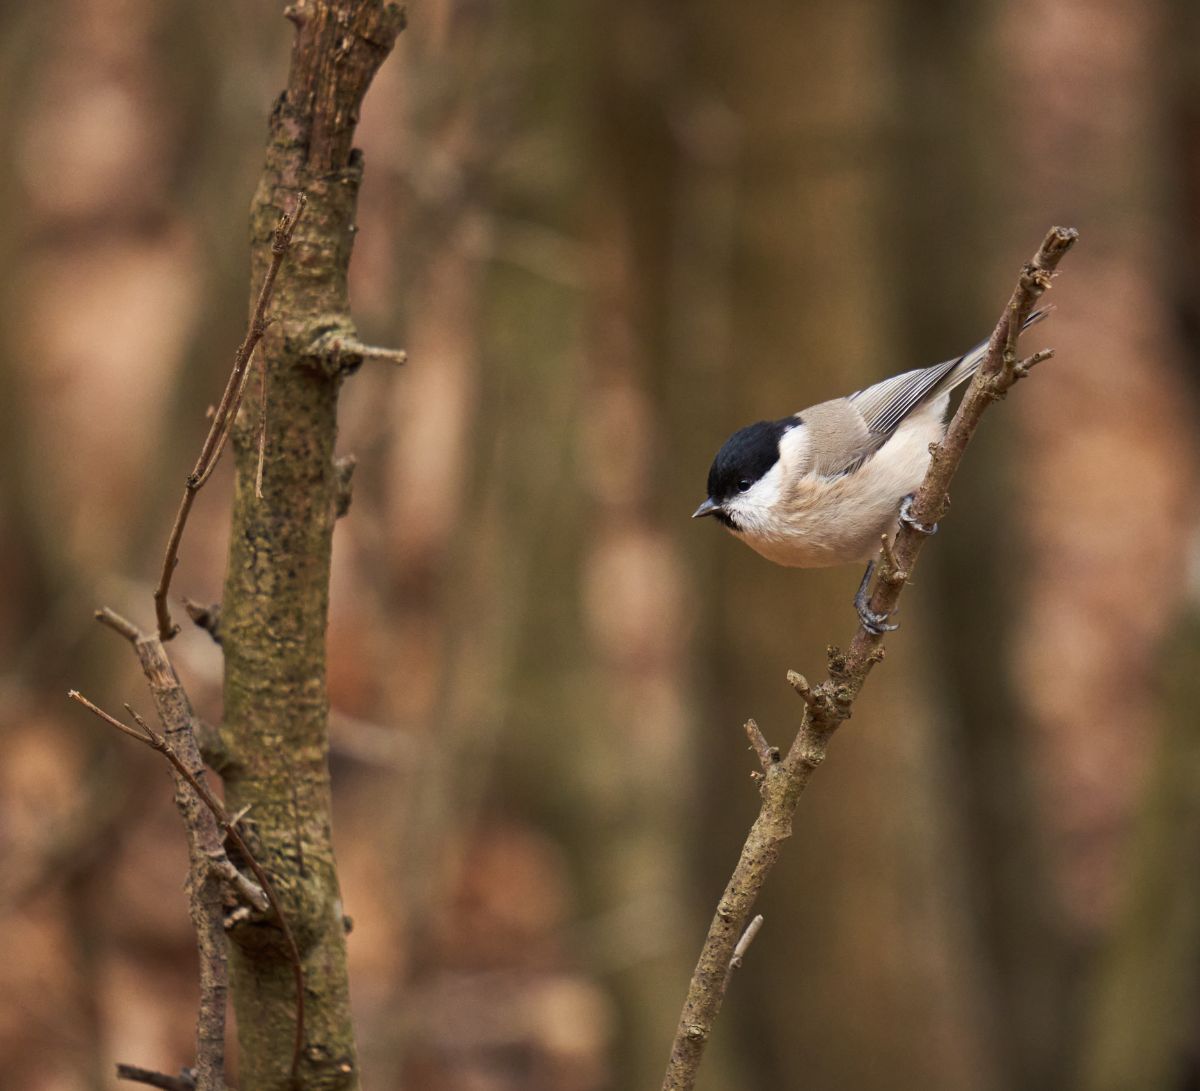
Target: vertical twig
{"x": 223, "y": 418}
{"x": 262, "y": 427}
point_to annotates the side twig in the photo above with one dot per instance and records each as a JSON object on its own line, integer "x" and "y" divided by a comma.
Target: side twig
{"x": 829, "y": 703}
{"x": 185, "y": 1081}
{"x": 743, "y": 945}
{"x": 261, "y": 896}
{"x": 223, "y": 418}
{"x": 767, "y": 755}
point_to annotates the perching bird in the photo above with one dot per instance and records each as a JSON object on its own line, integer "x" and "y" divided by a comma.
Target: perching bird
{"x": 822, "y": 486}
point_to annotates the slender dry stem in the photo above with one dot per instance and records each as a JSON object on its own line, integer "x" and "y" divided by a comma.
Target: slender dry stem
{"x": 262, "y": 429}
{"x": 223, "y": 418}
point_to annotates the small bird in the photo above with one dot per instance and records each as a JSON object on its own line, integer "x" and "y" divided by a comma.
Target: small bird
{"x": 821, "y": 487}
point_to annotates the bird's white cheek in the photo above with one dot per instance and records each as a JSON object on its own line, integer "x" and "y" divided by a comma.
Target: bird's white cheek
{"x": 756, "y": 510}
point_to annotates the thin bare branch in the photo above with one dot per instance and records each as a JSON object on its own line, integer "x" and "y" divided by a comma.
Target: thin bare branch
{"x": 828, "y": 704}
{"x": 112, "y": 721}
{"x": 890, "y": 570}
{"x": 350, "y": 353}
{"x": 800, "y": 684}
{"x": 205, "y": 889}
{"x": 223, "y": 418}
{"x": 1021, "y": 370}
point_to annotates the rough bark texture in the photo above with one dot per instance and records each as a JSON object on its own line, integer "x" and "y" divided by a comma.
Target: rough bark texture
{"x": 277, "y": 587}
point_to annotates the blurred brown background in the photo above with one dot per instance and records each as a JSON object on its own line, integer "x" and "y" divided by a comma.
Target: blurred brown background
{"x": 608, "y": 235}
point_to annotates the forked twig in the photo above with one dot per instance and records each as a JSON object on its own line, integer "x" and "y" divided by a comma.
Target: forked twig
{"x": 148, "y": 736}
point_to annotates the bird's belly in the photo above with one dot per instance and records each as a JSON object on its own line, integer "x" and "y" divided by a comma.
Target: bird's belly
{"x": 833, "y": 546}
{"x": 836, "y": 529}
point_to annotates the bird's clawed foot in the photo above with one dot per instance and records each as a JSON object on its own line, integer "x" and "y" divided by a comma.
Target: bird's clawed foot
{"x": 907, "y": 519}
{"x": 871, "y": 621}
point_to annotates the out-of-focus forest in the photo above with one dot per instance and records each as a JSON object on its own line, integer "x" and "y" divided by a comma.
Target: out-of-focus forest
{"x": 608, "y": 235}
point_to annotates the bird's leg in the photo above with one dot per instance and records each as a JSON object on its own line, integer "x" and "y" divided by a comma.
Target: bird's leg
{"x": 871, "y": 621}
{"x": 907, "y": 519}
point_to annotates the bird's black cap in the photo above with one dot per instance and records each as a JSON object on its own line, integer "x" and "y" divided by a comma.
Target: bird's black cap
{"x": 745, "y": 456}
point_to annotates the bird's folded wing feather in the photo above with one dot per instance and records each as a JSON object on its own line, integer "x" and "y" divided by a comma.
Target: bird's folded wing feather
{"x": 838, "y": 439}
{"x": 849, "y": 431}
{"x": 885, "y": 405}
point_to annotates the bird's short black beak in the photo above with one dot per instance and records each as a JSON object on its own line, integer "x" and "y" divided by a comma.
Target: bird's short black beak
{"x": 709, "y": 507}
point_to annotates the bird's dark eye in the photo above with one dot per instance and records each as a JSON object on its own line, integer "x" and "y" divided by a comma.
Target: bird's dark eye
{"x": 743, "y": 485}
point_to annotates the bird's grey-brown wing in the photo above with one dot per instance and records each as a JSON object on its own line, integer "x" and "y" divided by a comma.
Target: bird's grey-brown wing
{"x": 844, "y": 433}
{"x": 847, "y": 432}
{"x": 885, "y": 405}
{"x": 839, "y": 439}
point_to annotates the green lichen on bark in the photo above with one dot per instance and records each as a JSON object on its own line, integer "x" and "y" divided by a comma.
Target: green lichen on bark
{"x": 276, "y": 597}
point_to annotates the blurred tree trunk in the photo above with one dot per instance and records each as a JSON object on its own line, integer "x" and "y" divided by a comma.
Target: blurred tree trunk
{"x": 510, "y": 664}
{"x": 94, "y": 107}
{"x": 1140, "y": 1018}
{"x": 1142, "y": 1008}
{"x": 1105, "y": 500}
{"x": 874, "y": 855}
{"x": 947, "y": 112}
{"x": 635, "y": 771}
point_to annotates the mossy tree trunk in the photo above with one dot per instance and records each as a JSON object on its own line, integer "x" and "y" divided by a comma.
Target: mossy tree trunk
{"x": 277, "y": 587}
